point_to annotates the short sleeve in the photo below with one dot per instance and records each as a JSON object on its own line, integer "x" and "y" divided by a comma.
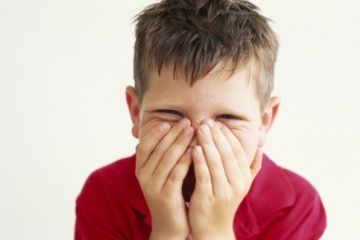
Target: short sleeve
{"x": 305, "y": 220}
{"x": 94, "y": 216}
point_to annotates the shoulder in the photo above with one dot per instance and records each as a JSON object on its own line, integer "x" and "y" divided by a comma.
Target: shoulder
{"x": 308, "y": 203}
{"x": 282, "y": 198}
{"x": 296, "y": 183}
{"x": 116, "y": 172}
{"x": 102, "y": 207}
{"x": 279, "y": 182}
{"x": 112, "y": 178}
{"x": 303, "y": 189}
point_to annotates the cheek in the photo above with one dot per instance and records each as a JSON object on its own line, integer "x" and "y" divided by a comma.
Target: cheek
{"x": 248, "y": 140}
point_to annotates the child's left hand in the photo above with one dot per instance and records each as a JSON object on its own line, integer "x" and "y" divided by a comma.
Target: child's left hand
{"x": 223, "y": 178}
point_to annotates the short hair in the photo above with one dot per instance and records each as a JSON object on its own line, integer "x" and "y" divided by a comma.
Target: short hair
{"x": 196, "y": 35}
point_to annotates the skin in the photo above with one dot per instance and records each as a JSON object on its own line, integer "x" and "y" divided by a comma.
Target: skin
{"x": 214, "y": 128}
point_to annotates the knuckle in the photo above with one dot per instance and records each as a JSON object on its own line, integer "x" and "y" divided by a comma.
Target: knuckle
{"x": 140, "y": 149}
{"x": 240, "y": 188}
{"x": 206, "y": 142}
{"x": 238, "y": 151}
{"x": 182, "y": 139}
{"x": 183, "y": 160}
{"x": 216, "y": 167}
{"x": 203, "y": 179}
{"x": 185, "y": 134}
{"x": 148, "y": 192}
{"x": 228, "y": 158}
{"x": 159, "y": 150}
{"x": 141, "y": 180}
{"x": 226, "y": 196}
{"x": 179, "y": 146}
{"x": 167, "y": 199}
{"x": 175, "y": 176}
{"x": 174, "y": 151}
{"x": 169, "y": 159}
{"x": 137, "y": 174}
{"x": 164, "y": 163}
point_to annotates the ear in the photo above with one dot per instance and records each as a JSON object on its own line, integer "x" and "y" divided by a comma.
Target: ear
{"x": 134, "y": 110}
{"x": 267, "y": 118}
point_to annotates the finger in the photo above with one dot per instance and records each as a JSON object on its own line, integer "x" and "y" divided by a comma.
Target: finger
{"x": 213, "y": 159}
{"x": 226, "y": 153}
{"x": 202, "y": 175}
{"x": 172, "y": 156}
{"x": 257, "y": 163}
{"x": 146, "y": 127}
{"x": 147, "y": 144}
{"x": 238, "y": 150}
{"x": 160, "y": 149}
{"x": 174, "y": 183}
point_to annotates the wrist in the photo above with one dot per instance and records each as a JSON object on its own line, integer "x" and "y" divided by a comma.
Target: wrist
{"x": 158, "y": 237}
{"x": 165, "y": 236}
{"x": 226, "y": 235}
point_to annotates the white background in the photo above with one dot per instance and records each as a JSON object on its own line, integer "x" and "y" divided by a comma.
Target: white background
{"x": 64, "y": 66}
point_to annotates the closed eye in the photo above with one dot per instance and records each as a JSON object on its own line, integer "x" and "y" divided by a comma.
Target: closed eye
{"x": 223, "y": 116}
{"x": 169, "y": 111}
{"x": 230, "y": 117}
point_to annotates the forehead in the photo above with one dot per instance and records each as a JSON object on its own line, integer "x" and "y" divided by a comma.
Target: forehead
{"x": 219, "y": 84}
{"x": 217, "y": 91}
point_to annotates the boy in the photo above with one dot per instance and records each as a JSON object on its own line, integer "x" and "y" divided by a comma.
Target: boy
{"x": 201, "y": 108}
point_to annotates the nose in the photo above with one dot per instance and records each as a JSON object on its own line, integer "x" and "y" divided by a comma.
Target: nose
{"x": 195, "y": 125}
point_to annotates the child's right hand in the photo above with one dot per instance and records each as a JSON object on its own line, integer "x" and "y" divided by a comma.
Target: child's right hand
{"x": 162, "y": 162}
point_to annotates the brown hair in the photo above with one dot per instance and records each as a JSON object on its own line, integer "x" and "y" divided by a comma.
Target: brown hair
{"x": 196, "y": 35}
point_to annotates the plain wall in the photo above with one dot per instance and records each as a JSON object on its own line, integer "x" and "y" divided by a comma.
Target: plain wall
{"x": 64, "y": 66}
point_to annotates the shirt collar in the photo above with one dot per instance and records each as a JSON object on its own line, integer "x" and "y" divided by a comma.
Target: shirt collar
{"x": 270, "y": 192}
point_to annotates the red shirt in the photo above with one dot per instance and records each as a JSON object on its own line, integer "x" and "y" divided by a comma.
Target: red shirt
{"x": 280, "y": 205}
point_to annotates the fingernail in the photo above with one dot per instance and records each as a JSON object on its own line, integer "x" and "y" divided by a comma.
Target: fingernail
{"x": 198, "y": 149}
{"x": 219, "y": 124}
{"x": 204, "y": 129}
{"x": 184, "y": 121}
{"x": 209, "y": 122}
{"x": 165, "y": 126}
{"x": 187, "y": 131}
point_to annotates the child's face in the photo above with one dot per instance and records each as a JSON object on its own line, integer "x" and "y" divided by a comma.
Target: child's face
{"x": 232, "y": 101}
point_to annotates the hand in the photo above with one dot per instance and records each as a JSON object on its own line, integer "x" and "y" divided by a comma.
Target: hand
{"x": 162, "y": 161}
{"x": 223, "y": 178}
